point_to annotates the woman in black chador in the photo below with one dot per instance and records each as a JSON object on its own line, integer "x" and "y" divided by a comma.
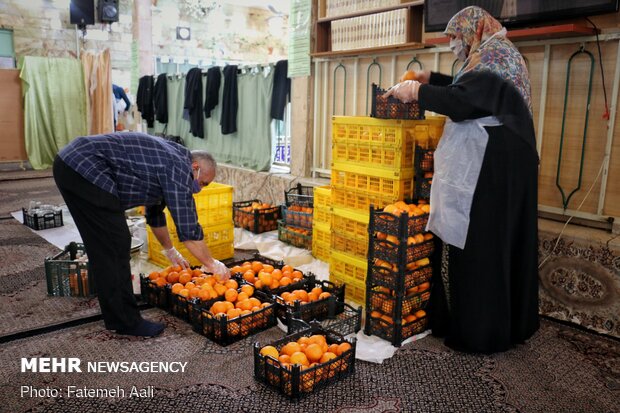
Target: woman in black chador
{"x": 484, "y": 191}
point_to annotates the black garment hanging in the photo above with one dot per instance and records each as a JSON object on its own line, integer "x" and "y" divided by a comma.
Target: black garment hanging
{"x": 144, "y": 100}
{"x": 230, "y": 101}
{"x": 161, "y": 99}
{"x": 281, "y": 93}
{"x": 212, "y": 97}
{"x": 193, "y": 102}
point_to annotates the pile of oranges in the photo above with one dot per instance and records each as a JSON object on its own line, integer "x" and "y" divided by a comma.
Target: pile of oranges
{"x": 192, "y": 283}
{"x": 304, "y": 296}
{"x": 409, "y": 318}
{"x": 413, "y": 240}
{"x": 310, "y": 352}
{"x": 413, "y": 210}
{"x": 410, "y": 266}
{"x": 266, "y": 276}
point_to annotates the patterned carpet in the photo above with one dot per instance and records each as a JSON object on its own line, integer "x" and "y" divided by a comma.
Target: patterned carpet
{"x": 560, "y": 370}
{"x": 17, "y": 193}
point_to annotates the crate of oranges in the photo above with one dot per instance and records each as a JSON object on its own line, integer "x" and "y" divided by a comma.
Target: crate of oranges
{"x": 203, "y": 288}
{"x": 298, "y": 216}
{"x": 270, "y": 276}
{"x": 306, "y": 361}
{"x": 382, "y": 325}
{"x": 316, "y": 301}
{"x": 396, "y": 277}
{"x": 243, "y": 312}
{"x": 400, "y": 219}
{"x": 300, "y": 195}
{"x": 298, "y": 237}
{"x": 256, "y": 216}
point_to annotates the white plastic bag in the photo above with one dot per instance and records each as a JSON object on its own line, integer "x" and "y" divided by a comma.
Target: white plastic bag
{"x": 458, "y": 161}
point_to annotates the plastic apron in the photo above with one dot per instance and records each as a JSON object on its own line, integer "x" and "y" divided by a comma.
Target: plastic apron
{"x": 458, "y": 161}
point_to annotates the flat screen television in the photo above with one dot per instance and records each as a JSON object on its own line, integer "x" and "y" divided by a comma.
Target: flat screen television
{"x": 515, "y": 13}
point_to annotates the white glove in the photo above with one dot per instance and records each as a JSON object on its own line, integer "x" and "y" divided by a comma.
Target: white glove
{"x": 406, "y": 91}
{"x": 217, "y": 267}
{"x": 176, "y": 258}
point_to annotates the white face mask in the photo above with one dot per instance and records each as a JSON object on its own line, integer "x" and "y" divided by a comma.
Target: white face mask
{"x": 458, "y": 49}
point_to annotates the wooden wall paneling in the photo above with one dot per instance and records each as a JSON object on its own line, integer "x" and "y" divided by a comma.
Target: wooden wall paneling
{"x": 611, "y": 206}
{"x": 596, "y": 133}
{"x": 12, "y": 143}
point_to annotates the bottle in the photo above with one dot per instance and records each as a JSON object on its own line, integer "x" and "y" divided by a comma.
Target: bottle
{"x": 84, "y": 277}
{"x": 74, "y": 289}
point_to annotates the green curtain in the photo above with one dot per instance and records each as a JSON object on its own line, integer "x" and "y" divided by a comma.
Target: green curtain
{"x": 55, "y": 106}
{"x": 251, "y": 145}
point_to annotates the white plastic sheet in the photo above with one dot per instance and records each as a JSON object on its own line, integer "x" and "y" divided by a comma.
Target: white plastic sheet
{"x": 458, "y": 161}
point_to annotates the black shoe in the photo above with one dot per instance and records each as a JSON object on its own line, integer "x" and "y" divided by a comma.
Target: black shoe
{"x": 144, "y": 328}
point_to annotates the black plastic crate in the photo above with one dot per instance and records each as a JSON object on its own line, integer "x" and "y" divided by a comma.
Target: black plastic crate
{"x": 300, "y": 195}
{"x": 392, "y": 253}
{"x": 313, "y": 310}
{"x": 155, "y": 295}
{"x": 301, "y": 219}
{"x": 294, "y": 382}
{"x": 293, "y": 235}
{"x": 400, "y": 280}
{"x": 392, "y": 108}
{"x": 402, "y": 226}
{"x": 226, "y": 331}
{"x": 395, "y": 306}
{"x": 255, "y": 220}
{"x": 396, "y": 332}
{"x": 424, "y": 159}
{"x": 67, "y": 276}
{"x": 348, "y": 321}
{"x": 422, "y": 187}
{"x": 52, "y": 219}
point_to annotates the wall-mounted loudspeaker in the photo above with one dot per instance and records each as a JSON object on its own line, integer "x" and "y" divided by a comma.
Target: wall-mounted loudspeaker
{"x": 82, "y": 12}
{"x": 108, "y": 10}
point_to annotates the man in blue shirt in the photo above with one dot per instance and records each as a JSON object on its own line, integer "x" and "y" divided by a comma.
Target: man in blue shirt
{"x": 100, "y": 177}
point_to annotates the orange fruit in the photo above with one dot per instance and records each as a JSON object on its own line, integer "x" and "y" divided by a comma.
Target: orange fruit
{"x": 184, "y": 278}
{"x": 247, "y": 289}
{"x": 194, "y": 292}
{"x": 284, "y": 358}
{"x": 270, "y": 351}
{"x": 299, "y": 358}
{"x": 424, "y": 286}
{"x": 301, "y": 294}
{"x": 255, "y": 302}
{"x": 218, "y": 307}
{"x": 287, "y": 268}
{"x": 313, "y": 352}
{"x": 231, "y": 295}
{"x": 297, "y": 274}
{"x": 285, "y": 281}
{"x": 153, "y": 276}
{"x": 172, "y": 277}
{"x": 343, "y": 347}
{"x": 265, "y": 278}
{"x": 318, "y": 339}
{"x": 204, "y": 295}
{"x": 268, "y": 268}
{"x": 231, "y": 284}
{"x": 161, "y": 281}
{"x": 420, "y": 313}
{"x": 277, "y": 274}
{"x": 408, "y": 75}
{"x": 257, "y": 266}
{"x": 324, "y": 295}
{"x": 290, "y": 348}
{"x": 242, "y": 296}
{"x": 249, "y": 276}
{"x": 233, "y": 313}
{"x": 184, "y": 292}
{"x": 333, "y": 348}
{"x": 177, "y": 287}
{"x": 197, "y": 272}
{"x": 274, "y": 284}
{"x": 237, "y": 269}
{"x": 327, "y": 356}
{"x": 410, "y": 318}
{"x": 303, "y": 340}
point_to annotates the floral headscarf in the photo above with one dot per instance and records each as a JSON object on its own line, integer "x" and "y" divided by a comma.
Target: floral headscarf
{"x": 487, "y": 47}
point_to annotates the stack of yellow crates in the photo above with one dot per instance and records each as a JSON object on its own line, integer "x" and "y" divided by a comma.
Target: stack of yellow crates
{"x": 372, "y": 164}
{"x": 214, "y": 208}
{"x": 321, "y": 223}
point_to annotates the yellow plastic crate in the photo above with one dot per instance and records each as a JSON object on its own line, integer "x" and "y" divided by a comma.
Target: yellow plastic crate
{"x": 322, "y": 215}
{"x": 387, "y": 132}
{"x": 321, "y": 245}
{"x": 366, "y": 180}
{"x": 219, "y": 239}
{"x": 361, "y": 201}
{"x": 394, "y": 160}
{"x": 354, "y": 292}
{"x": 322, "y": 197}
{"x": 350, "y": 232}
{"x": 348, "y": 267}
{"x": 213, "y": 205}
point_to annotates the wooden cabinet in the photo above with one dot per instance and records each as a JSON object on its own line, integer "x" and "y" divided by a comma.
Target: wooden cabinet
{"x": 384, "y": 40}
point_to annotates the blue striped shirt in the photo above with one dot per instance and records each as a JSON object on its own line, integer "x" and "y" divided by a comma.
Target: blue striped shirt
{"x": 140, "y": 170}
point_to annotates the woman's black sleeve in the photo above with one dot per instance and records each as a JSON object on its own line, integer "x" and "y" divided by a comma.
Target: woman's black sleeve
{"x": 454, "y": 101}
{"x": 439, "y": 79}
